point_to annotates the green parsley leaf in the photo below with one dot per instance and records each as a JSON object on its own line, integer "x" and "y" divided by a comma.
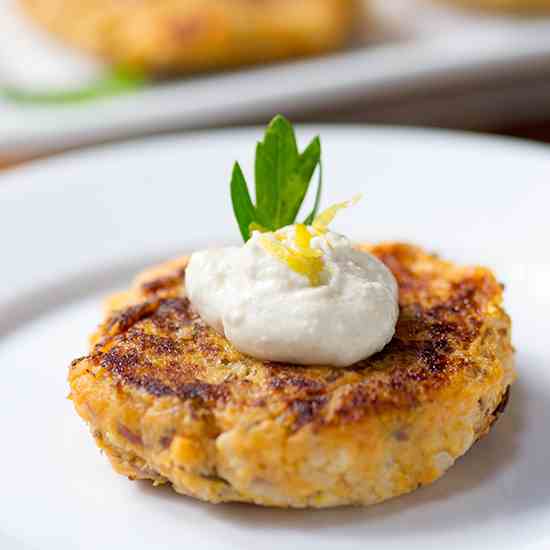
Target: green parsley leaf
{"x": 117, "y": 82}
{"x": 317, "y": 203}
{"x": 276, "y": 162}
{"x": 299, "y": 183}
{"x": 282, "y": 178}
{"x": 267, "y": 194}
{"x": 242, "y": 204}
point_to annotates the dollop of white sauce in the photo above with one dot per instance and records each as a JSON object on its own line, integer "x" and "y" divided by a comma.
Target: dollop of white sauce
{"x": 268, "y": 311}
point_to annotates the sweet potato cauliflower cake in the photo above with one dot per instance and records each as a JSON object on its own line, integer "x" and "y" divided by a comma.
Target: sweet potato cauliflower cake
{"x": 180, "y": 36}
{"x": 170, "y": 400}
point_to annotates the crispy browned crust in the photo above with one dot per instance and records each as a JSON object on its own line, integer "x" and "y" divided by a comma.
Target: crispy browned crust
{"x": 160, "y": 346}
{"x": 170, "y": 400}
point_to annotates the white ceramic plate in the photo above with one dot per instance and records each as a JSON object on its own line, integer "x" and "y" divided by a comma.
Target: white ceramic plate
{"x": 78, "y": 227}
{"x": 418, "y": 62}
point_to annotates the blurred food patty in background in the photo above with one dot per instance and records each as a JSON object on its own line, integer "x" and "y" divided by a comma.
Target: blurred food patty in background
{"x": 167, "y": 37}
{"x": 517, "y": 6}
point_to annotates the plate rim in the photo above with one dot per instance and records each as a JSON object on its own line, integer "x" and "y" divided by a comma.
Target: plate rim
{"x": 375, "y": 68}
{"x": 529, "y": 146}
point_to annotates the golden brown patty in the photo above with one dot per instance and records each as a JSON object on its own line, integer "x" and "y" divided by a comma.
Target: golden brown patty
{"x": 168, "y": 399}
{"x": 179, "y": 36}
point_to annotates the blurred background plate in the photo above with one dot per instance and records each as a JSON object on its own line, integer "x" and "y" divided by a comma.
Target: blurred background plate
{"x": 413, "y": 62}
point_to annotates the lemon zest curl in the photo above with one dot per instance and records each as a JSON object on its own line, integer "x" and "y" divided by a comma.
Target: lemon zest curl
{"x": 299, "y": 255}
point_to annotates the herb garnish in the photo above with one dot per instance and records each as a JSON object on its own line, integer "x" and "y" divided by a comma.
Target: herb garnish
{"x": 120, "y": 80}
{"x": 282, "y": 178}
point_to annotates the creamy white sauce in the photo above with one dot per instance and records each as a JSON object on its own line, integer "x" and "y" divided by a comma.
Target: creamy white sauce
{"x": 271, "y": 312}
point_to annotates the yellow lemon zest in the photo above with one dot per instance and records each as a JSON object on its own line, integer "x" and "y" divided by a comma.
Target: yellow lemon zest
{"x": 309, "y": 267}
{"x": 302, "y": 258}
{"x": 321, "y": 222}
{"x": 303, "y": 242}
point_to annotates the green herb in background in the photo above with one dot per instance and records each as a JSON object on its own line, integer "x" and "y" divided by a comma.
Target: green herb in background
{"x": 117, "y": 82}
{"x": 282, "y": 178}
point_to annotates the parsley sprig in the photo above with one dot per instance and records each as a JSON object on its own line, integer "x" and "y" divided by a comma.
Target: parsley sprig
{"x": 282, "y": 178}
{"x": 119, "y": 81}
